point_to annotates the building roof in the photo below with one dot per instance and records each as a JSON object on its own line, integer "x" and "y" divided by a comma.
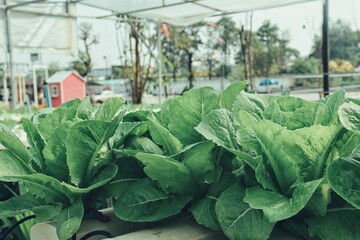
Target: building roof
{"x": 60, "y": 76}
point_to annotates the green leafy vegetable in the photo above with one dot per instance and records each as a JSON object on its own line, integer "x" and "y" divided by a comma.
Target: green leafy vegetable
{"x": 144, "y": 202}
{"x": 242, "y": 222}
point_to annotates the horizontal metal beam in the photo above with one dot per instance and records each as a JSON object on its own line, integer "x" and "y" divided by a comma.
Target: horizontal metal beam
{"x": 24, "y": 4}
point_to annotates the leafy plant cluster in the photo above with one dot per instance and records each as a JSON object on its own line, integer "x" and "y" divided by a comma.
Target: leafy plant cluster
{"x": 247, "y": 164}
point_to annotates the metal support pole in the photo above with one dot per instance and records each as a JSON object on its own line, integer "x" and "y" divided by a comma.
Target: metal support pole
{"x": 35, "y": 88}
{"x": 10, "y": 56}
{"x": 325, "y": 48}
{"x": 6, "y": 92}
{"x": 159, "y": 62}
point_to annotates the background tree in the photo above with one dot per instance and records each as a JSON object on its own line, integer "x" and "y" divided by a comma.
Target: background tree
{"x": 137, "y": 55}
{"x": 83, "y": 63}
{"x": 53, "y": 68}
{"x": 265, "y": 54}
{"x": 188, "y": 40}
{"x": 171, "y": 52}
{"x": 286, "y": 54}
{"x": 340, "y": 66}
{"x": 227, "y": 33}
{"x": 272, "y": 53}
{"x": 211, "y": 33}
{"x": 245, "y": 54}
{"x": 305, "y": 66}
{"x": 344, "y": 43}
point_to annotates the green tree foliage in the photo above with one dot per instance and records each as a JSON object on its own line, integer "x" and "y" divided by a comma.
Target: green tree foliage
{"x": 340, "y": 66}
{"x": 271, "y": 50}
{"x": 343, "y": 43}
{"x": 188, "y": 40}
{"x": 228, "y": 39}
{"x": 83, "y": 64}
{"x": 171, "y": 52}
{"x": 305, "y": 66}
{"x": 53, "y": 68}
{"x": 210, "y": 60}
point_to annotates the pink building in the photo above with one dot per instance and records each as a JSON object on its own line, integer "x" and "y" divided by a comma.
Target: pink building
{"x": 65, "y": 86}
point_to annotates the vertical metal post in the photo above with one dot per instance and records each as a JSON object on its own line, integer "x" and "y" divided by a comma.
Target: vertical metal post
{"x": 10, "y": 56}
{"x": 325, "y": 48}
{"x": 35, "y": 88}
{"x": 6, "y": 92}
{"x": 159, "y": 62}
{"x": 223, "y": 71}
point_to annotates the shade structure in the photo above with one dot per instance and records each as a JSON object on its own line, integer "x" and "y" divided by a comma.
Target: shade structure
{"x": 175, "y": 12}
{"x": 185, "y": 12}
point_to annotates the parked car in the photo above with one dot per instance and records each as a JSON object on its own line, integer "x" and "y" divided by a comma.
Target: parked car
{"x": 105, "y": 95}
{"x": 268, "y": 85}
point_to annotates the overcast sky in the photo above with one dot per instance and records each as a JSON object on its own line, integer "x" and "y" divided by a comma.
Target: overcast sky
{"x": 302, "y": 21}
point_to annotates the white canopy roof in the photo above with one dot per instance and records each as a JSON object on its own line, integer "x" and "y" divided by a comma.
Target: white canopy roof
{"x": 184, "y": 12}
{"x": 50, "y": 26}
{"x": 176, "y": 12}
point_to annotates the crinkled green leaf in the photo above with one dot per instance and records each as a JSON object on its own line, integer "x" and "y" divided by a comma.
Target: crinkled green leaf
{"x": 290, "y": 103}
{"x": 333, "y": 102}
{"x": 263, "y": 177}
{"x": 254, "y": 104}
{"x": 141, "y": 129}
{"x": 55, "y": 152}
{"x": 28, "y": 203}
{"x": 69, "y": 220}
{"x": 338, "y": 224}
{"x": 104, "y": 176}
{"x": 204, "y": 209}
{"x": 277, "y": 207}
{"x": 9, "y": 140}
{"x": 318, "y": 203}
{"x": 36, "y": 142}
{"x": 129, "y": 171}
{"x": 72, "y": 103}
{"x": 310, "y": 114}
{"x": 228, "y": 96}
{"x": 172, "y": 176}
{"x": 141, "y": 144}
{"x": 124, "y": 129}
{"x": 54, "y": 119}
{"x": 343, "y": 176}
{"x": 316, "y": 142}
{"x": 238, "y": 220}
{"x": 108, "y": 109}
{"x": 89, "y": 136}
{"x": 42, "y": 186}
{"x": 275, "y": 114}
{"x": 163, "y": 137}
{"x": 219, "y": 127}
{"x": 10, "y": 165}
{"x": 346, "y": 142}
{"x": 144, "y": 202}
{"x": 84, "y": 111}
{"x": 117, "y": 188}
{"x": 137, "y": 116}
{"x": 280, "y": 149}
{"x": 282, "y": 109}
{"x": 201, "y": 162}
{"x": 187, "y": 111}
{"x": 349, "y": 114}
